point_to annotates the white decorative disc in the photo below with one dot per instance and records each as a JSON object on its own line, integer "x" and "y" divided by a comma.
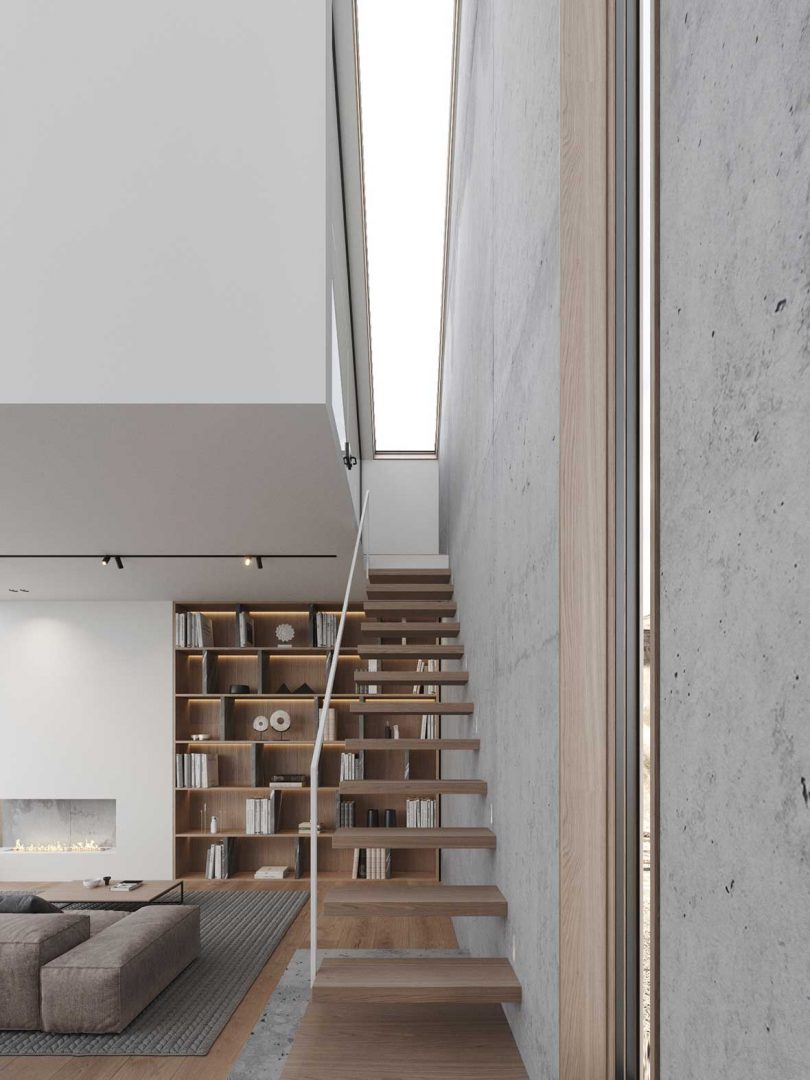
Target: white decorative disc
{"x": 261, "y": 723}
{"x": 280, "y": 720}
{"x": 285, "y": 633}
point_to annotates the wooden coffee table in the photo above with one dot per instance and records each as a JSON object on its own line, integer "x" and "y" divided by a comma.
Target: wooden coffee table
{"x": 73, "y": 892}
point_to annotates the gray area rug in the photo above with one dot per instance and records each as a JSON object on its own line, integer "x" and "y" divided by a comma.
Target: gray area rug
{"x": 265, "y": 1053}
{"x": 239, "y": 931}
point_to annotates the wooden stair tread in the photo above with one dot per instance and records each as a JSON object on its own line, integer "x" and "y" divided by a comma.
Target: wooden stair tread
{"x": 413, "y": 744}
{"x": 365, "y": 899}
{"x": 422, "y": 678}
{"x": 402, "y": 608}
{"x": 407, "y": 574}
{"x": 387, "y": 1042}
{"x": 441, "y": 786}
{"x": 411, "y": 629}
{"x": 406, "y": 980}
{"x": 406, "y": 652}
{"x": 391, "y": 591}
{"x": 381, "y": 898}
{"x": 412, "y": 708}
{"x": 402, "y": 839}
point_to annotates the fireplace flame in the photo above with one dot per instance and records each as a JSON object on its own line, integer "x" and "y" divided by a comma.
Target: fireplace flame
{"x": 82, "y": 846}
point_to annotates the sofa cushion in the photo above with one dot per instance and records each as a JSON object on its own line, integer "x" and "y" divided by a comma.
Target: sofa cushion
{"x": 100, "y": 920}
{"x": 20, "y": 903}
{"x": 104, "y": 983}
{"x": 27, "y": 942}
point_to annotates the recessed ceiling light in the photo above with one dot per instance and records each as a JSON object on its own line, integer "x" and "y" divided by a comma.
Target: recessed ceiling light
{"x": 19, "y": 590}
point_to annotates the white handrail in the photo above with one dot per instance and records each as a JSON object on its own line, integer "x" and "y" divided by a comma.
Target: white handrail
{"x": 316, "y": 758}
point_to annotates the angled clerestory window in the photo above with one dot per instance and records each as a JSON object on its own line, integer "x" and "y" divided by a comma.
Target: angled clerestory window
{"x": 405, "y": 61}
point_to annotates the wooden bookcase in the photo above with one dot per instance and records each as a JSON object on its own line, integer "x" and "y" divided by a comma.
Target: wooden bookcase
{"x": 247, "y": 759}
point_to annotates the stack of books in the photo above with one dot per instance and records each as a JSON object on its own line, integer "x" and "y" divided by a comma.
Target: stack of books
{"x": 244, "y": 629}
{"x": 376, "y": 864}
{"x": 373, "y": 864}
{"x": 193, "y": 630}
{"x": 420, "y": 813}
{"x": 422, "y": 666}
{"x": 219, "y": 860}
{"x": 351, "y": 766}
{"x": 305, "y": 830}
{"x": 271, "y": 873}
{"x": 326, "y": 627}
{"x": 430, "y": 727}
{"x": 346, "y": 813}
{"x": 260, "y": 816}
{"x": 196, "y": 770}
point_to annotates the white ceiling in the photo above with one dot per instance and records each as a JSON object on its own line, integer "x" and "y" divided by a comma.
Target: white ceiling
{"x": 173, "y": 479}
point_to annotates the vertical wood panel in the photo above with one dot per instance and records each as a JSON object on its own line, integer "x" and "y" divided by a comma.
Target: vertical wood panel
{"x": 584, "y": 539}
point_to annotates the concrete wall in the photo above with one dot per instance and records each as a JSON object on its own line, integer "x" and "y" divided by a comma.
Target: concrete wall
{"x": 86, "y": 713}
{"x": 403, "y": 511}
{"x": 163, "y": 216}
{"x": 735, "y": 539}
{"x": 499, "y": 489}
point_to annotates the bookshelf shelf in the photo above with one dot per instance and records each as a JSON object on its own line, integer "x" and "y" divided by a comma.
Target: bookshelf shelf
{"x": 242, "y": 652}
{"x": 258, "y": 790}
{"x": 282, "y": 834}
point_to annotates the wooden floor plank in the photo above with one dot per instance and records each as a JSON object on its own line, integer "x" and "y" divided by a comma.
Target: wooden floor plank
{"x": 384, "y": 1042}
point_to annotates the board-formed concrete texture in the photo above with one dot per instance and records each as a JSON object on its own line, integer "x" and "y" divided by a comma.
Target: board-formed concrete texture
{"x": 499, "y": 490}
{"x": 735, "y": 539}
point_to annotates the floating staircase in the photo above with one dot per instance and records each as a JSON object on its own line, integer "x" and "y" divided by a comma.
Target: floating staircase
{"x": 411, "y": 606}
{"x": 365, "y": 899}
{"x": 463, "y": 980}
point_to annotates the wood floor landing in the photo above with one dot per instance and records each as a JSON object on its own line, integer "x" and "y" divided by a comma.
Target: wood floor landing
{"x": 395, "y": 1042}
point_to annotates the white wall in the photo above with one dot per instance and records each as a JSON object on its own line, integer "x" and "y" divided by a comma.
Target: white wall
{"x": 86, "y": 712}
{"x": 163, "y": 201}
{"x": 403, "y": 511}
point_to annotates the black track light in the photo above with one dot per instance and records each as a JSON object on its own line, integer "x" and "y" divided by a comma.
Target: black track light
{"x": 259, "y": 563}
{"x": 106, "y": 560}
{"x": 119, "y": 562}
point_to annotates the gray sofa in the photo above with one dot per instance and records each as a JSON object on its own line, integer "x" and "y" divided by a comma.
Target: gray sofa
{"x": 91, "y": 971}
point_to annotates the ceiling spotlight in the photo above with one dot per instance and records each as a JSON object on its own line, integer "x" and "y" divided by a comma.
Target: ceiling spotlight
{"x": 259, "y": 564}
{"x": 248, "y": 559}
{"x": 119, "y": 562}
{"x": 18, "y": 590}
{"x": 105, "y": 560}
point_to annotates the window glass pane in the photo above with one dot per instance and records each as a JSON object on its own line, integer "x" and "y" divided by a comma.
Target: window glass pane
{"x": 405, "y": 61}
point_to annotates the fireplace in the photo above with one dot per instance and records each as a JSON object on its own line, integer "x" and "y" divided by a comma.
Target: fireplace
{"x": 57, "y": 826}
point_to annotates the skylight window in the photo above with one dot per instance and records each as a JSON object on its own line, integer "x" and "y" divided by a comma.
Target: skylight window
{"x": 405, "y": 55}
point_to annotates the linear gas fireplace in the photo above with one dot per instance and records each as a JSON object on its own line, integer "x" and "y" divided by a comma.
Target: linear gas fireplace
{"x": 57, "y": 826}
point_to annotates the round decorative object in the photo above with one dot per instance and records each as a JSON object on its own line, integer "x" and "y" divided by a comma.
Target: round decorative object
{"x": 260, "y": 723}
{"x": 239, "y": 688}
{"x": 280, "y": 720}
{"x": 285, "y": 633}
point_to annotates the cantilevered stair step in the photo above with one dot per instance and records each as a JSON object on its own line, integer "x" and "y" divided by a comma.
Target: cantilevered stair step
{"x": 401, "y": 609}
{"x": 409, "y": 575}
{"x": 394, "y": 707}
{"x": 413, "y": 678}
{"x": 408, "y": 652}
{"x": 426, "y": 788}
{"x": 411, "y": 629}
{"x": 365, "y": 900}
{"x": 417, "y": 839}
{"x": 409, "y": 592}
{"x": 412, "y": 744}
{"x": 411, "y": 981}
